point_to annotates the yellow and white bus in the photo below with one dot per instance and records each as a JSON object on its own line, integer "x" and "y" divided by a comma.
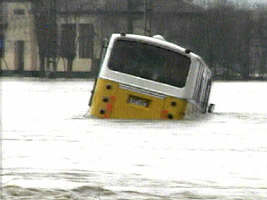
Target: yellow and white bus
{"x": 145, "y": 77}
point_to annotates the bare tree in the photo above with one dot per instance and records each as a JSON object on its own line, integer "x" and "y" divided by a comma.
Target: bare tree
{"x": 262, "y": 38}
{"x": 1, "y": 35}
{"x": 223, "y": 36}
{"x": 68, "y": 42}
{"x": 245, "y": 43}
{"x": 44, "y": 12}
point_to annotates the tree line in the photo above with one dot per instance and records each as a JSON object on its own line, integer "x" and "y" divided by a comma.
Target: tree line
{"x": 232, "y": 40}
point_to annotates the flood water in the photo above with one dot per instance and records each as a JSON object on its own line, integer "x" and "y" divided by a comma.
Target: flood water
{"x": 52, "y": 150}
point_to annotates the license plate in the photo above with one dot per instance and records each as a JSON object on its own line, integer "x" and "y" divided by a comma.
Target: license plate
{"x": 138, "y": 101}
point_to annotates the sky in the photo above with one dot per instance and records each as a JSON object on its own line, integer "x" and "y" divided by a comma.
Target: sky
{"x": 257, "y": 1}
{"x": 250, "y": 1}
{"x": 262, "y": 1}
{"x": 240, "y": 2}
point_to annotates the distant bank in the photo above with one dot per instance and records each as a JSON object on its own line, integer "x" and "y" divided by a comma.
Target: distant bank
{"x": 90, "y": 75}
{"x": 12, "y": 73}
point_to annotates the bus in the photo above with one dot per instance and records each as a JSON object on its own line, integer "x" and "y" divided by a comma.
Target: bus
{"x": 142, "y": 77}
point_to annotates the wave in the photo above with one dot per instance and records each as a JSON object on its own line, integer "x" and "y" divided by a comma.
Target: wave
{"x": 14, "y": 192}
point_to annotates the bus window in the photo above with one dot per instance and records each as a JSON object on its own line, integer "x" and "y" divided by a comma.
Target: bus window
{"x": 149, "y": 62}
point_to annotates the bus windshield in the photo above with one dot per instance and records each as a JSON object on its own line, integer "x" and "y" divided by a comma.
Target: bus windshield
{"x": 149, "y": 62}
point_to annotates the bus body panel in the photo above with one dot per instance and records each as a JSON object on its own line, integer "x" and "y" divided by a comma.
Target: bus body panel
{"x": 183, "y": 92}
{"x": 113, "y": 100}
{"x": 146, "y": 84}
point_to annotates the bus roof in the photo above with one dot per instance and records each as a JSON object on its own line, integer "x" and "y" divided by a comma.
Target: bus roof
{"x": 159, "y": 42}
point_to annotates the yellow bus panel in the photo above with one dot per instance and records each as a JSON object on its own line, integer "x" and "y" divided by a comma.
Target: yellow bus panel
{"x": 112, "y": 101}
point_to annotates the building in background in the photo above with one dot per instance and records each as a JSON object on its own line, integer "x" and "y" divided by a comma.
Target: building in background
{"x": 72, "y": 48}
{"x": 18, "y": 40}
{"x": 64, "y": 37}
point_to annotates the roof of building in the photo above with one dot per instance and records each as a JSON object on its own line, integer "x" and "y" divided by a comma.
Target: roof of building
{"x": 122, "y": 5}
{"x": 15, "y": 1}
{"x": 118, "y": 6}
{"x": 174, "y": 6}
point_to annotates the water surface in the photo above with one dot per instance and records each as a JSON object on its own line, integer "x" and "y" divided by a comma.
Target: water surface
{"x": 51, "y": 149}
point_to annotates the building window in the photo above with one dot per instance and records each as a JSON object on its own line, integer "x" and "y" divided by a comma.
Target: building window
{"x": 86, "y": 37}
{"x": 67, "y": 45}
{"x": 19, "y": 12}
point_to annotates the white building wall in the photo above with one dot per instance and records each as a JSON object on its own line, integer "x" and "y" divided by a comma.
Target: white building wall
{"x": 20, "y": 28}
